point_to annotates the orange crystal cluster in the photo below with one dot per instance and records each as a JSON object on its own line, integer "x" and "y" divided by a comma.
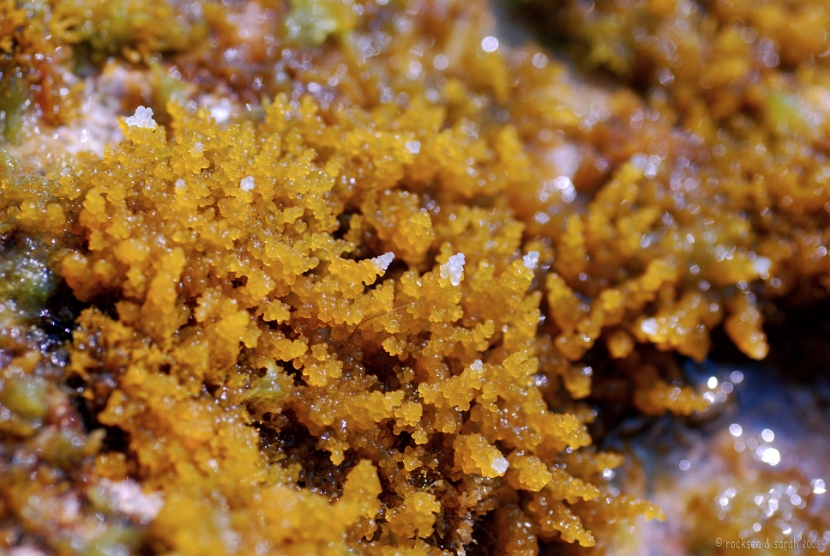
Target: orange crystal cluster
{"x": 357, "y": 307}
{"x": 237, "y": 304}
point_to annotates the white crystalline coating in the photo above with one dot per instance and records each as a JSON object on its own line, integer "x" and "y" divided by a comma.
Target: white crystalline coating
{"x": 454, "y": 269}
{"x": 383, "y": 261}
{"x": 221, "y": 111}
{"x": 98, "y": 122}
{"x": 25, "y": 551}
{"x": 477, "y": 365}
{"x": 649, "y": 326}
{"x": 531, "y": 260}
{"x": 247, "y": 183}
{"x": 128, "y": 498}
{"x": 413, "y": 146}
{"x": 143, "y": 117}
{"x": 500, "y": 465}
{"x": 761, "y": 266}
{"x": 179, "y": 183}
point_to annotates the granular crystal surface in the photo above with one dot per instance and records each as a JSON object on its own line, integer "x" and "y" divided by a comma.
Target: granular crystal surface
{"x": 357, "y": 277}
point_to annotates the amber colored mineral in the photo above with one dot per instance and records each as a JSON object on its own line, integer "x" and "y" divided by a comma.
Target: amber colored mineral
{"x": 334, "y": 277}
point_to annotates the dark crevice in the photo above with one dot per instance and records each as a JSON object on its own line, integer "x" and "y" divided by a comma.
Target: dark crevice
{"x": 57, "y": 319}
{"x": 298, "y": 446}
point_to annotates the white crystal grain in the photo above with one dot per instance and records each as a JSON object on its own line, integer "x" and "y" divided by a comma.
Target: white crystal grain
{"x": 143, "y": 118}
{"x": 454, "y": 269}
{"x": 247, "y": 183}
{"x": 383, "y": 261}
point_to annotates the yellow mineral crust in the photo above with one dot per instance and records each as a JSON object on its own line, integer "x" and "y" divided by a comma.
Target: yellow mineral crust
{"x": 217, "y": 244}
{"x": 354, "y": 308}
